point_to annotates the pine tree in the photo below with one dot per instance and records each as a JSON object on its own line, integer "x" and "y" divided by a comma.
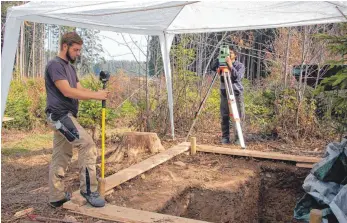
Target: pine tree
{"x": 335, "y": 87}
{"x": 337, "y": 44}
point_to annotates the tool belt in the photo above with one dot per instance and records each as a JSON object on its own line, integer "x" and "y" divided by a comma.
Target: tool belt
{"x": 64, "y": 125}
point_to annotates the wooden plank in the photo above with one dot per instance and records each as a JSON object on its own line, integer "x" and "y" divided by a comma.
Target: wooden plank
{"x": 193, "y": 146}
{"x": 257, "y": 154}
{"x": 137, "y": 169}
{"x": 6, "y": 119}
{"x": 315, "y": 216}
{"x": 122, "y": 214}
{"x": 22, "y": 213}
{"x": 305, "y": 165}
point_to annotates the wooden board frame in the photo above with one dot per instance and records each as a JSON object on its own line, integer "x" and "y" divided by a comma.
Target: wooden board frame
{"x": 257, "y": 154}
{"x": 122, "y": 214}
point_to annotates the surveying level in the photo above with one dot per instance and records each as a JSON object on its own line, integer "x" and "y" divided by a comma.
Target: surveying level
{"x": 104, "y": 77}
{"x": 223, "y": 54}
{"x": 233, "y": 112}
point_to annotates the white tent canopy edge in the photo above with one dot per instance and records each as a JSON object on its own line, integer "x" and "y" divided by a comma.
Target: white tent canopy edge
{"x": 163, "y": 19}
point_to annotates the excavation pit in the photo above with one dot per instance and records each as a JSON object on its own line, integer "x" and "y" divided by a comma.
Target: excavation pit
{"x": 216, "y": 188}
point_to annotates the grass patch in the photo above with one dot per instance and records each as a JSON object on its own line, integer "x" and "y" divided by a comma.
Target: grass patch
{"x": 29, "y": 143}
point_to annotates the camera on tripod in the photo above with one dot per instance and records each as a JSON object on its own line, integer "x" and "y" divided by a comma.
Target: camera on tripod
{"x": 224, "y": 52}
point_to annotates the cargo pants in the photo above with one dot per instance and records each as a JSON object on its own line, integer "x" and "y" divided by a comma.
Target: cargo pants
{"x": 61, "y": 157}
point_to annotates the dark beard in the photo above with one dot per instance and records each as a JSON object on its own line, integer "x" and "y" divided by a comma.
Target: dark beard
{"x": 69, "y": 57}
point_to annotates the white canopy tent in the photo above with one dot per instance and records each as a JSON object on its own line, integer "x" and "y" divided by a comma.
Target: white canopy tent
{"x": 163, "y": 19}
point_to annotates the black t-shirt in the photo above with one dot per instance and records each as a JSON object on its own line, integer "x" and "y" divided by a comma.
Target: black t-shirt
{"x": 57, "y": 103}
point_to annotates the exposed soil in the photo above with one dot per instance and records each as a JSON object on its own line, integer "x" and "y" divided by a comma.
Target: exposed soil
{"x": 216, "y": 188}
{"x": 208, "y": 187}
{"x": 281, "y": 189}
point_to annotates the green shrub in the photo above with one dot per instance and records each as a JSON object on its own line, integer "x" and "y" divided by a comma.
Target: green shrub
{"x": 259, "y": 107}
{"x": 127, "y": 110}
{"x": 37, "y": 93}
{"x": 295, "y": 119}
{"x": 212, "y": 104}
{"x": 18, "y": 107}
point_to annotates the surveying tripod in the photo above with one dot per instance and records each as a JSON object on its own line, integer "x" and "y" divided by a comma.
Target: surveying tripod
{"x": 233, "y": 111}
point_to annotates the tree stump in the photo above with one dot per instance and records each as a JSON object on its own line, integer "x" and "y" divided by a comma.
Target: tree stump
{"x": 135, "y": 143}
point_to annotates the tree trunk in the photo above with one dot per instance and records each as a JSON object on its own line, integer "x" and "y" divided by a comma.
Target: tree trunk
{"x": 148, "y": 129}
{"x": 299, "y": 93}
{"x": 319, "y": 64}
{"x": 43, "y": 50}
{"x": 17, "y": 62}
{"x": 30, "y": 62}
{"x": 33, "y": 58}
{"x": 199, "y": 62}
{"x": 249, "y": 64}
{"x": 319, "y": 69}
{"x": 318, "y": 75}
{"x": 305, "y": 81}
{"x": 252, "y": 67}
{"x": 258, "y": 54}
{"x": 286, "y": 61}
{"x": 185, "y": 80}
{"x": 258, "y": 65}
{"x": 22, "y": 51}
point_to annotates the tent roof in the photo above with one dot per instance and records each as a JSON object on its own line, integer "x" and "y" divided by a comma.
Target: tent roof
{"x": 153, "y": 18}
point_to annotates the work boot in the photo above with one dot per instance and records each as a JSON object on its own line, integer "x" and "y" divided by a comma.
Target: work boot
{"x": 94, "y": 199}
{"x": 57, "y": 204}
{"x": 225, "y": 141}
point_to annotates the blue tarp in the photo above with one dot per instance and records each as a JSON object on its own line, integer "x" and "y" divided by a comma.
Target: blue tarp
{"x": 325, "y": 186}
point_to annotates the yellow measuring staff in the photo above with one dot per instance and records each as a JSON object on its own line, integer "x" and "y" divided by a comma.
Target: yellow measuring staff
{"x": 103, "y": 143}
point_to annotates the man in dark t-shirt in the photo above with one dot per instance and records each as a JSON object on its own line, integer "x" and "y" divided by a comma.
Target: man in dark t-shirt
{"x": 57, "y": 103}
{"x": 63, "y": 92}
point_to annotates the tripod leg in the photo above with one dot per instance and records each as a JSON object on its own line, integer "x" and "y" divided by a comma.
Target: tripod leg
{"x": 233, "y": 108}
{"x": 201, "y": 106}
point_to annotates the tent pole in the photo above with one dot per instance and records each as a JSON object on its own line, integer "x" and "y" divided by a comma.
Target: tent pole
{"x": 165, "y": 45}
{"x": 8, "y": 55}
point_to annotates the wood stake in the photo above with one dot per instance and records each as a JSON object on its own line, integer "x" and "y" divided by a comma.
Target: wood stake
{"x": 192, "y": 145}
{"x": 315, "y": 216}
{"x": 101, "y": 186}
{"x": 22, "y": 213}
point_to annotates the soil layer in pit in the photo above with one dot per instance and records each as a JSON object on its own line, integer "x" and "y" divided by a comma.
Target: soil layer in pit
{"x": 216, "y": 205}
